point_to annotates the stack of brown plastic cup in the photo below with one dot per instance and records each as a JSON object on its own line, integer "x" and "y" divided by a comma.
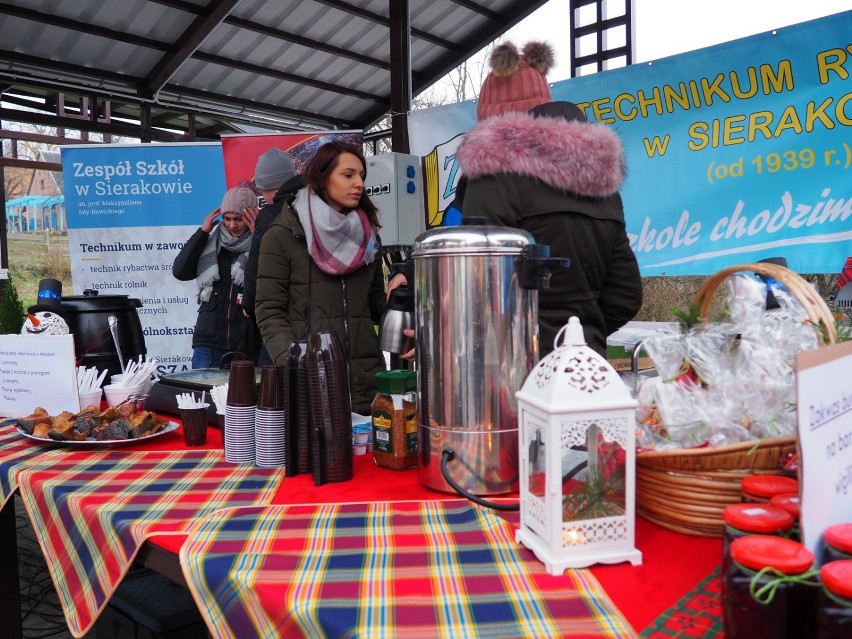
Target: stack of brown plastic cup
{"x": 270, "y": 396}
{"x": 239, "y": 413}
{"x": 297, "y": 446}
{"x": 330, "y": 409}
{"x": 270, "y": 417}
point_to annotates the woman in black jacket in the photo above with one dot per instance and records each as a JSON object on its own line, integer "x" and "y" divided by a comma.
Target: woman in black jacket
{"x": 215, "y": 257}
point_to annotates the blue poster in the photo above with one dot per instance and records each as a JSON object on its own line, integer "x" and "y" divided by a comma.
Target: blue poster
{"x": 130, "y": 209}
{"x": 126, "y": 185}
{"x": 735, "y": 153}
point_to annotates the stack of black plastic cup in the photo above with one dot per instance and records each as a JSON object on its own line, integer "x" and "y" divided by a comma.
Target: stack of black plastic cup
{"x": 297, "y": 441}
{"x": 240, "y": 407}
{"x": 330, "y": 409}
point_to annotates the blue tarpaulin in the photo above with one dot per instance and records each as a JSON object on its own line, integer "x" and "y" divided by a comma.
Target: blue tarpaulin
{"x": 35, "y": 213}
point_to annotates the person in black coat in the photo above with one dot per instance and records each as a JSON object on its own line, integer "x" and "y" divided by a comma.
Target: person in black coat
{"x": 539, "y": 165}
{"x": 215, "y": 257}
{"x": 276, "y": 178}
{"x": 555, "y": 175}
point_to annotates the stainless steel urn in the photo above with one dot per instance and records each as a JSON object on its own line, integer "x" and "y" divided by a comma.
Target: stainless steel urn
{"x": 476, "y": 322}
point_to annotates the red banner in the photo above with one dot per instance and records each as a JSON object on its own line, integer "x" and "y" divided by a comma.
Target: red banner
{"x": 240, "y": 151}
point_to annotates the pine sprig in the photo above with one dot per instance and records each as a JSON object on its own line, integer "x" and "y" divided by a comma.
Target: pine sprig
{"x": 12, "y": 313}
{"x": 686, "y": 317}
{"x": 691, "y": 315}
{"x": 842, "y": 327}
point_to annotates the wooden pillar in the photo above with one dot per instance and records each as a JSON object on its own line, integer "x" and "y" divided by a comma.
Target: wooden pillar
{"x": 4, "y": 258}
{"x": 400, "y": 58}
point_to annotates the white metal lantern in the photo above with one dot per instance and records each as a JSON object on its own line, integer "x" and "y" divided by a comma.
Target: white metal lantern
{"x": 577, "y": 452}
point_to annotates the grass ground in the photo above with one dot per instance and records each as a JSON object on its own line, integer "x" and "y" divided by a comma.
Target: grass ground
{"x": 35, "y": 256}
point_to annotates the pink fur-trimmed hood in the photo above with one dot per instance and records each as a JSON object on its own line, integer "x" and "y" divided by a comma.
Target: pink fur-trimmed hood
{"x": 584, "y": 158}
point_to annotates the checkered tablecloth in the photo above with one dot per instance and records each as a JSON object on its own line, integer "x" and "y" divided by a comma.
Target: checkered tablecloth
{"x": 16, "y": 451}
{"x": 384, "y": 569}
{"x": 92, "y": 513}
{"x": 698, "y": 614}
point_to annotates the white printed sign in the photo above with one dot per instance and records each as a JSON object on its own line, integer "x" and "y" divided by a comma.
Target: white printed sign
{"x": 37, "y": 370}
{"x": 824, "y": 400}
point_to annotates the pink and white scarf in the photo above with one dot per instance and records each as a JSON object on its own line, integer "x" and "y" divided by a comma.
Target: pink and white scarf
{"x": 339, "y": 243}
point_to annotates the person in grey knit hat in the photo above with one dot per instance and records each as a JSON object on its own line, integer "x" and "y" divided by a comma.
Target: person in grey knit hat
{"x": 274, "y": 167}
{"x": 215, "y": 257}
{"x": 276, "y": 178}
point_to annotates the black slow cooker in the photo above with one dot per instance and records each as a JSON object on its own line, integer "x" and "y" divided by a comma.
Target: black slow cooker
{"x": 86, "y": 316}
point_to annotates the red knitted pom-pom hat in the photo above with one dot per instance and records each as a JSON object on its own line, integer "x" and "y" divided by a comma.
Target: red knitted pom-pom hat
{"x": 517, "y": 80}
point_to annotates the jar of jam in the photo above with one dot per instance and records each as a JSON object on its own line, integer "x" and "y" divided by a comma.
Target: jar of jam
{"x": 752, "y": 519}
{"x": 834, "y": 606}
{"x": 789, "y": 502}
{"x": 770, "y": 591}
{"x": 761, "y": 488}
{"x": 394, "y": 415}
{"x": 838, "y": 543}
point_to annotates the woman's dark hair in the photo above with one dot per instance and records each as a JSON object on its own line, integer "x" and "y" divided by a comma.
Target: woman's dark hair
{"x": 568, "y": 111}
{"x": 323, "y": 163}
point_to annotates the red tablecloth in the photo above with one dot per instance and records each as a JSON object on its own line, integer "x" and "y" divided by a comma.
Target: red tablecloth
{"x": 672, "y": 563}
{"x": 16, "y": 452}
{"x": 697, "y": 614}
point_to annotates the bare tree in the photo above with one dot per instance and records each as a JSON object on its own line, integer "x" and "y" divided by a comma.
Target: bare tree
{"x": 459, "y": 85}
{"x": 27, "y": 149}
{"x": 15, "y": 181}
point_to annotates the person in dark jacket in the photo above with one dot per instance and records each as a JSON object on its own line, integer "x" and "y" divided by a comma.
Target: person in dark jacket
{"x": 275, "y": 177}
{"x": 215, "y": 257}
{"x": 318, "y": 268}
{"x": 554, "y": 174}
{"x": 540, "y": 166}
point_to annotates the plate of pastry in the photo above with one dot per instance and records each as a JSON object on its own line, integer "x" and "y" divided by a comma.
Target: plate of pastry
{"x": 93, "y": 428}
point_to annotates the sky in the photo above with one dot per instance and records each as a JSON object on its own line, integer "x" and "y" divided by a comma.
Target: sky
{"x": 667, "y": 27}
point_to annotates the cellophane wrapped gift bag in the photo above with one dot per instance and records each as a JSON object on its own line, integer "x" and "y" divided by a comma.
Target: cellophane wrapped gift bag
{"x": 727, "y": 381}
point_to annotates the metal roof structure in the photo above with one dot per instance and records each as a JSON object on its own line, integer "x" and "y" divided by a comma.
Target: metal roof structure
{"x": 193, "y": 69}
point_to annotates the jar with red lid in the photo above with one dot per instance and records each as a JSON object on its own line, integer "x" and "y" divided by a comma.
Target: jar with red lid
{"x": 838, "y": 543}
{"x": 834, "y": 606}
{"x": 770, "y": 590}
{"x": 789, "y": 502}
{"x": 753, "y": 519}
{"x": 761, "y": 488}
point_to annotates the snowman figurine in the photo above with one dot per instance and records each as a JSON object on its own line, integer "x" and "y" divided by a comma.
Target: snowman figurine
{"x": 44, "y": 317}
{"x": 44, "y": 323}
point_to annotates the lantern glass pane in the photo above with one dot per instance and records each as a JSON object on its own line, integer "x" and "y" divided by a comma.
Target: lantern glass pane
{"x": 537, "y": 465}
{"x": 593, "y": 478}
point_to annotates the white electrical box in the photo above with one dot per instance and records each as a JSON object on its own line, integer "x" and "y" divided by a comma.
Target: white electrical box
{"x": 395, "y": 185}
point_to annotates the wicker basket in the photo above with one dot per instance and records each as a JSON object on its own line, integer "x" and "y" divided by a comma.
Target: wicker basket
{"x": 687, "y": 490}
